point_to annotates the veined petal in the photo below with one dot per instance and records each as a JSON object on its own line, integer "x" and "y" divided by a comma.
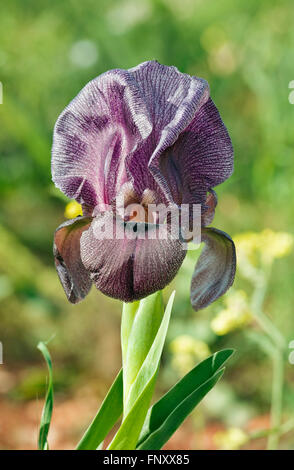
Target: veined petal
{"x": 200, "y": 159}
{"x": 71, "y": 271}
{"x": 208, "y": 209}
{"x": 93, "y": 136}
{"x": 124, "y": 263}
{"x": 172, "y": 99}
{"x": 215, "y": 270}
{"x": 118, "y": 126}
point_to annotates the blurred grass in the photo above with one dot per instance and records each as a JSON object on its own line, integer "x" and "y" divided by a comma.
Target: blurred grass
{"x": 245, "y": 50}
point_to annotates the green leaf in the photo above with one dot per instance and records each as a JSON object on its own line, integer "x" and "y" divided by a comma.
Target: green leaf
{"x": 109, "y": 412}
{"x": 141, "y": 390}
{"x": 48, "y": 406}
{"x": 161, "y": 435}
{"x": 170, "y": 411}
{"x": 127, "y": 435}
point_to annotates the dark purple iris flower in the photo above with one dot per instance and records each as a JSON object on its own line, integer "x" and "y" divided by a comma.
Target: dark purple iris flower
{"x": 145, "y": 135}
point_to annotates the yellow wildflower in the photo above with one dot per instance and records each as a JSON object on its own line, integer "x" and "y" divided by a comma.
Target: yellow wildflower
{"x": 231, "y": 439}
{"x": 72, "y": 210}
{"x": 186, "y": 351}
{"x": 182, "y": 363}
{"x": 236, "y": 315}
{"x": 274, "y": 244}
{"x": 255, "y": 250}
{"x": 189, "y": 345}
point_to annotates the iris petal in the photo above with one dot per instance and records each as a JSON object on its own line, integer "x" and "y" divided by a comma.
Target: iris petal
{"x": 172, "y": 99}
{"x": 215, "y": 270}
{"x": 118, "y": 126}
{"x": 71, "y": 271}
{"x": 129, "y": 266}
{"x": 147, "y": 133}
{"x": 93, "y": 136}
{"x": 208, "y": 208}
{"x": 200, "y": 159}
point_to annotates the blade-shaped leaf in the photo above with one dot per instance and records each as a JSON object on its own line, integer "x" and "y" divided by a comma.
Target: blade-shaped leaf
{"x": 141, "y": 390}
{"x": 109, "y": 412}
{"x": 198, "y": 376}
{"x": 48, "y": 406}
{"x": 161, "y": 435}
{"x": 127, "y": 435}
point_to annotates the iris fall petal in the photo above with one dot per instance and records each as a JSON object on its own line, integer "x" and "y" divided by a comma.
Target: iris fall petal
{"x": 71, "y": 271}
{"x": 215, "y": 270}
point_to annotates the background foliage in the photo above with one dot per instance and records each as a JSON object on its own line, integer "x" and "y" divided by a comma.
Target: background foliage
{"x": 48, "y": 51}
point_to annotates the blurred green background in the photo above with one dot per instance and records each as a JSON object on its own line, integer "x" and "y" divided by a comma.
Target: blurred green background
{"x": 48, "y": 51}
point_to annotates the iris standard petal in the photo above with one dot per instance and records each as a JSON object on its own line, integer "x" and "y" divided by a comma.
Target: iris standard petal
{"x": 200, "y": 159}
{"x": 172, "y": 99}
{"x": 71, "y": 271}
{"x": 118, "y": 126}
{"x": 93, "y": 136}
{"x": 215, "y": 270}
{"x": 129, "y": 266}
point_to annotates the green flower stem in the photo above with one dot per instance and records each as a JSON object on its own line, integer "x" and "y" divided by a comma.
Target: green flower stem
{"x": 283, "y": 429}
{"x": 263, "y": 320}
{"x": 144, "y": 332}
{"x": 140, "y": 323}
{"x": 128, "y": 315}
{"x": 269, "y": 328}
{"x": 277, "y": 398}
{"x": 279, "y": 345}
{"x": 261, "y": 282}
